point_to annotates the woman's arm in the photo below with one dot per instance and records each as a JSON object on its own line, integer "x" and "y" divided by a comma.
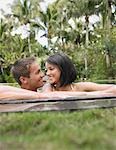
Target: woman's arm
{"x": 91, "y": 86}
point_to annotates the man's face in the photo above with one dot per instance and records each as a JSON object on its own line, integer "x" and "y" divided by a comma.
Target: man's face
{"x": 35, "y": 80}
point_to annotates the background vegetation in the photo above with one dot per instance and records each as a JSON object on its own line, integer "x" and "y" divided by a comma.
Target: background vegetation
{"x": 67, "y": 27}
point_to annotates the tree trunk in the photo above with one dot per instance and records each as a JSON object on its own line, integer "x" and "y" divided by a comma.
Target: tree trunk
{"x": 87, "y": 30}
{"x": 29, "y": 45}
{"x": 86, "y": 43}
{"x": 108, "y": 26}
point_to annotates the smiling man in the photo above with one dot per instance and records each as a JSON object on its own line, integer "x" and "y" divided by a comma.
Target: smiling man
{"x": 28, "y": 74}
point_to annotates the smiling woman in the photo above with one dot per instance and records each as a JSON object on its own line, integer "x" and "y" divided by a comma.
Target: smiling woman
{"x": 62, "y": 73}
{"x": 60, "y": 70}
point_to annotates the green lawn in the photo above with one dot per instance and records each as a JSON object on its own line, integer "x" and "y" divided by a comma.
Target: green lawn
{"x": 78, "y": 130}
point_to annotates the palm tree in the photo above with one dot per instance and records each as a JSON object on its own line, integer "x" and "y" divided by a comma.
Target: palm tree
{"x": 26, "y": 11}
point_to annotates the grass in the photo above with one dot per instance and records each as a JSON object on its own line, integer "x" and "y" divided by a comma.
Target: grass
{"x": 78, "y": 130}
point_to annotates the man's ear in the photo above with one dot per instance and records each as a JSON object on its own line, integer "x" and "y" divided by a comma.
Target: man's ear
{"x": 23, "y": 79}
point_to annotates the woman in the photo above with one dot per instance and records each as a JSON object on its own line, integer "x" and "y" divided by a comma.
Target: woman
{"x": 62, "y": 74}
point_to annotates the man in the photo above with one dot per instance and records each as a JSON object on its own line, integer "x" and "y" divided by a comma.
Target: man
{"x": 28, "y": 74}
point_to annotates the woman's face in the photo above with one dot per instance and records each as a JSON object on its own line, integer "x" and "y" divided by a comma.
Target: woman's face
{"x": 53, "y": 73}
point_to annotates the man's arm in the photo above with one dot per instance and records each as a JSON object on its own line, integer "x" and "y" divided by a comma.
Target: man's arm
{"x": 10, "y": 92}
{"x": 14, "y": 93}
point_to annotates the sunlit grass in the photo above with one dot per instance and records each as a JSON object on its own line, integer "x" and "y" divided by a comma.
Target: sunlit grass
{"x": 89, "y": 129}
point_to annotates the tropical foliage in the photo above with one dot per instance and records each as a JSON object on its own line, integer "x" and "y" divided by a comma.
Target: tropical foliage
{"x": 83, "y": 29}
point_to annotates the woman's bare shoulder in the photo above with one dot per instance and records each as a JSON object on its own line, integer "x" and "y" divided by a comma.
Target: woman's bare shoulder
{"x": 78, "y": 86}
{"x": 82, "y": 86}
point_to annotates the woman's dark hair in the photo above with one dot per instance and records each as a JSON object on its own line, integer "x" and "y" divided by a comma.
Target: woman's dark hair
{"x": 67, "y": 68}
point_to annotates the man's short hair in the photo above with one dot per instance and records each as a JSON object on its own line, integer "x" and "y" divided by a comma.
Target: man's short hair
{"x": 22, "y": 68}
